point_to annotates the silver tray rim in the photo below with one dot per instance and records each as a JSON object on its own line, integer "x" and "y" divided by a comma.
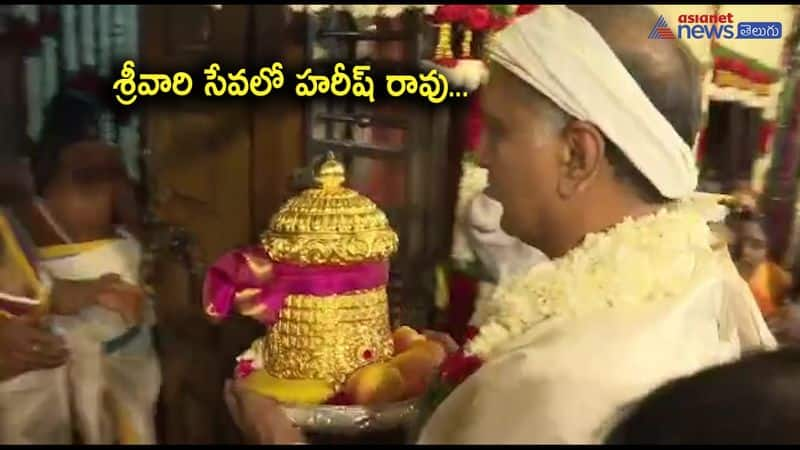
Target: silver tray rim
{"x": 353, "y": 418}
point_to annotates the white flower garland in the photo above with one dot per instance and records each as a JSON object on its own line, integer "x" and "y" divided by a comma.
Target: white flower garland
{"x": 255, "y": 354}
{"x": 638, "y": 261}
{"x": 469, "y": 74}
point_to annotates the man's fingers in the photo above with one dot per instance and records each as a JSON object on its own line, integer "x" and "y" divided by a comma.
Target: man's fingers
{"x": 450, "y": 345}
{"x": 46, "y": 339}
{"x": 42, "y": 349}
{"x": 34, "y": 360}
{"x": 111, "y": 277}
{"x": 233, "y": 404}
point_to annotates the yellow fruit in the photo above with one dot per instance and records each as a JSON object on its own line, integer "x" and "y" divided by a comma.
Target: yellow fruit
{"x": 304, "y": 392}
{"x": 375, "y": 384}
{"x": 404, "y": 337}
{"x": 418, "y": 366}
{"x": 435, "y": 349}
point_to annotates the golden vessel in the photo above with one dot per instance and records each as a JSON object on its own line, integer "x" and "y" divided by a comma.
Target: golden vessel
{"x": 327, "y": 338}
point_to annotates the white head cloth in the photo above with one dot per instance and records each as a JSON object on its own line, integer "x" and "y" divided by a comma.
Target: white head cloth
{"x": 561, "y": 55}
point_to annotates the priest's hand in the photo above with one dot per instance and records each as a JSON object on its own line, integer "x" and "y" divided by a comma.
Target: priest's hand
{"x": 25, "y": 345}
{"x": 260, "y": 418}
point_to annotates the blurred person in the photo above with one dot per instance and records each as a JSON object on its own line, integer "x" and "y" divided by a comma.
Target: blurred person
{"x": 34, "y": 397}
{"x": 753, "y": 401}
{"x": 769, "y": 282}
{"x": 85, "y": 224}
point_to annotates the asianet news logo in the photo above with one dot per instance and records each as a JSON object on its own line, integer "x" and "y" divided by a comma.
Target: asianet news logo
{"x": 715, "y": 26}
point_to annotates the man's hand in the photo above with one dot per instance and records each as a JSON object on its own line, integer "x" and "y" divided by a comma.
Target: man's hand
{"x": 109, "y": 291}
{"x": 26, "y": 345}
{"x": 260, "y": 418}
{"x": 449, "y": 344}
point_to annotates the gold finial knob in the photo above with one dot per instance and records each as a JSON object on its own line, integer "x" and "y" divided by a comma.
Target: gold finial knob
{"x": 330, "y": 173}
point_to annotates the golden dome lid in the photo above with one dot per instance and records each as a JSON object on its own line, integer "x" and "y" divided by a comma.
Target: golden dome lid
{"x": 329, "y": 224}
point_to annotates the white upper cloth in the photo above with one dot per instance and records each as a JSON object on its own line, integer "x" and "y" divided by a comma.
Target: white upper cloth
{"x": 562, "y": 56}
{"x": 568, "y": 381}
{"x": 120, "y": 256}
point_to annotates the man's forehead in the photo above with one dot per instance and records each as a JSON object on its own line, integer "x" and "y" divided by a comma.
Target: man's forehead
{"x": 505, "y": 98}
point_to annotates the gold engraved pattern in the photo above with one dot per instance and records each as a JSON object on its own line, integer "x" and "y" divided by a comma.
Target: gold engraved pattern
{"x": 330, "y": 224}
{"x": 328, "y": 338}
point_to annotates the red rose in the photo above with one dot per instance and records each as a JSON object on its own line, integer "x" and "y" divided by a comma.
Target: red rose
{"x": 458, "y": 366}
{"x": 244, "y": 368}
{"x": 525, "y": 9}
{"x": 451, "y": 13}
{"x": 479, "y": 18}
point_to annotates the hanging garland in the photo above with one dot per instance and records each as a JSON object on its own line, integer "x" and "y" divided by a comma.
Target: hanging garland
{"x": 362, "y": 11}
{"x": 741, "y": 79}
{"x": 461, "y": 56}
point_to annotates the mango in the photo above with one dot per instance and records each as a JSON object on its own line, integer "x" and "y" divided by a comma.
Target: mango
{"x": 435, "y": 349}
{"x": 418, "y": 365}
{"x": 404, "y": 337}
{"x": 375, "y": 384}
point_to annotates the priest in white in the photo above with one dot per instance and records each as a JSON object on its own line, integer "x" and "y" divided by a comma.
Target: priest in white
{"x": 590, "y": 126}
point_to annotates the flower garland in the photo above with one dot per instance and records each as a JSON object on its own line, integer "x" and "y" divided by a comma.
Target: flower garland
{"x": 670, "y": 249}
{"x": 460, "y": 60}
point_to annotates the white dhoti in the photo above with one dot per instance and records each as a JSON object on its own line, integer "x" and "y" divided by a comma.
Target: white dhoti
{"x": 34, "y": 408}
{"x": 113, "y": 373}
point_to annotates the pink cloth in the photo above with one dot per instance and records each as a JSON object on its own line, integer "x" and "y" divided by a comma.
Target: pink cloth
{"x": 270, "y": 283}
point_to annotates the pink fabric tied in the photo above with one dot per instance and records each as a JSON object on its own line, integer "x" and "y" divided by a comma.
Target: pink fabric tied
{"x": 257, "y": 287}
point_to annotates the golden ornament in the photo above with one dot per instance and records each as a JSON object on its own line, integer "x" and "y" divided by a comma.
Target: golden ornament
{"x": 329, "y": 224}
{"x": 444, "y": 48}
{"x": 327, "y": 338}
{"x": 466, "y": 44}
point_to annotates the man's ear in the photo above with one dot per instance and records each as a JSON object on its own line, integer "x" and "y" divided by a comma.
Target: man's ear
{"x": 581, "y": 157}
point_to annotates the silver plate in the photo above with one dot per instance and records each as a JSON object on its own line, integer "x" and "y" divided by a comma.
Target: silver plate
{"x": 353, "y": 419}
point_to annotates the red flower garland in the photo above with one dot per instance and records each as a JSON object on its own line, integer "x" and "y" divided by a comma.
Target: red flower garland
{"x": 451, "y": 13}
{"x": 479, "y": 18}
{"x": 474, "y": 125}
{"x": 458, "y": 367}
